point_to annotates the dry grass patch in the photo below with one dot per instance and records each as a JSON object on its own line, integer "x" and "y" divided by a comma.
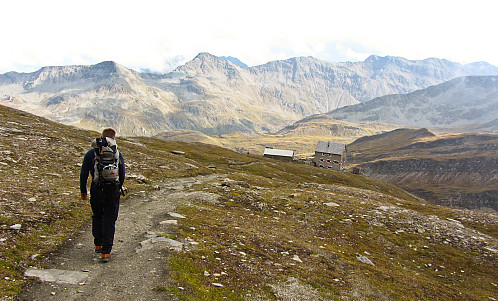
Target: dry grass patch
{"x": 259, "y": 236}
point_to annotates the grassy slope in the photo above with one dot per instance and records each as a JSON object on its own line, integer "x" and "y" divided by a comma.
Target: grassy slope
{"x": 457, "y": 149}
{"x": 39, "y": 186}
{"x": 379, "y": 146}
{"x": 267, "y": 213}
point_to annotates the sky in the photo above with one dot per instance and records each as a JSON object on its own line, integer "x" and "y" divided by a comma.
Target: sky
{"x": 157, "y": 36}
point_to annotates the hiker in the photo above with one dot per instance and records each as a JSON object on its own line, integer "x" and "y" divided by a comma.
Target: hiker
{"x": 106, "y": 165}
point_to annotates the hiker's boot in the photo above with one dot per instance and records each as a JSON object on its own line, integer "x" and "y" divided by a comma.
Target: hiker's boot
{"x": 98, "y": 249}
{"x": 105, "y": 257}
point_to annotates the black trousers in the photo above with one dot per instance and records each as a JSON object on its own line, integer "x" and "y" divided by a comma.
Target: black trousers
{"x": 104, "y": 200}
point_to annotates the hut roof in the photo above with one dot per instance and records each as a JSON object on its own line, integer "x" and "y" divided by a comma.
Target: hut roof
{"x": 329, "y": 147}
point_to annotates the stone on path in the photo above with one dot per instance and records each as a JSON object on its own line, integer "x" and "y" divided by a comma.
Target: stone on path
{"x": 169, "y": 222}
{"x": 177, "y": 215}
{"x": 58, "y": 276}
{"x": 153, "y": 239}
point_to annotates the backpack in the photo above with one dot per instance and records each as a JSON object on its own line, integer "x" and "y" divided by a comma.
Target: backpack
{"x": 106, "y": 161}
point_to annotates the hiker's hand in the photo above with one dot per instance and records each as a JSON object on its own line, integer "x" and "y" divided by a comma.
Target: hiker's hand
{"x": 84, "y": 196}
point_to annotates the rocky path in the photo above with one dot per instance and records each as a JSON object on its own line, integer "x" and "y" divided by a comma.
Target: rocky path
{"x": 138, "y": 265}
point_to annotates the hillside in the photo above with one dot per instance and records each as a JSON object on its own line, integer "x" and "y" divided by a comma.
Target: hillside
{"x": 452, "y": 169}
{"x": 215, "y": 96}
{"x": 187, "y": 136}
{"x": 258, "y": 229}
{"x": 464, "y": 104}
{"x": 301, "y": 136}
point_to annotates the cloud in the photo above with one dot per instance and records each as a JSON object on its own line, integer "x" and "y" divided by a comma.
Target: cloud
{"x": 156, "y": 35}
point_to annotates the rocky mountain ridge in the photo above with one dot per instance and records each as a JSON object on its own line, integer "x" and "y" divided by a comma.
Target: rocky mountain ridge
{"x": 213, "y": 95}
{"x": 462, "y": 103}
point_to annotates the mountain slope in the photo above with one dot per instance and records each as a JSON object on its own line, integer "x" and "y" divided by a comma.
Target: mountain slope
{"x": 105, "y": 94}
{"x": 187, "y": 136}
{"x": 463, "y": 102}
{"x": 453, "y": 169}
{"x": 260, "y": 228}
{"x": 213, "y": 95}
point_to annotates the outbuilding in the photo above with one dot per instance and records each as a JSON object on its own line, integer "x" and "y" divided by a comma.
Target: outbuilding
{"x": 279, "y": 154}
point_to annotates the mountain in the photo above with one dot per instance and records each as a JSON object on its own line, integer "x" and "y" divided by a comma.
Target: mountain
{"x": 106, "y": 94}
{"x": 464, "y": 103}
{"x": 451, "y": 169}
{"x": 215, "y": 96}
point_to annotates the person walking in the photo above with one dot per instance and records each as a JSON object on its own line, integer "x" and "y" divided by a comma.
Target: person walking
{"x": 106, "y": 165}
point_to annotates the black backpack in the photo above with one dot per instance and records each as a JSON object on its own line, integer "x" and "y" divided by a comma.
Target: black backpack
{"x": 106, "y": 161}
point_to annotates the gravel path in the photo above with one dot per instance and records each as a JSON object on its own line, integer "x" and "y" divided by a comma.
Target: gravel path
{"x": 139, "y": 262}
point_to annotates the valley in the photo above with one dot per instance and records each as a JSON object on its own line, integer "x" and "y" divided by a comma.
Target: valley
{"x": 300, "y": 137}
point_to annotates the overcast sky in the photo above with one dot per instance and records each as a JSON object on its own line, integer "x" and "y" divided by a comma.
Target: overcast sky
{"x": 159, "y": 35}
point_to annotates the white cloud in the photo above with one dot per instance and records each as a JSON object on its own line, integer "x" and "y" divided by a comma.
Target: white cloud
{"x": 151, "y": 34}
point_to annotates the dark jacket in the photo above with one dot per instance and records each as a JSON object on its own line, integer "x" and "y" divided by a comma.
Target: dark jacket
{"x": 88, "y": 168}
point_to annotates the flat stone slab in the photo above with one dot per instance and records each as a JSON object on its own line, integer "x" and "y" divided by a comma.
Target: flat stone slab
{"x": 169, "y": 222}
{"x": 58, "y": 276}
{"x": 177, "y": 215}
{"x": 154, "y": 239}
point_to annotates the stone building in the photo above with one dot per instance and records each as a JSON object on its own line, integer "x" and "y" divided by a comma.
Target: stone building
{"x": 330, "y": 155}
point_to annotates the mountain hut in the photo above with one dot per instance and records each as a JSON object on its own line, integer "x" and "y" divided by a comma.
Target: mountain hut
{"x": 330, "y": 155}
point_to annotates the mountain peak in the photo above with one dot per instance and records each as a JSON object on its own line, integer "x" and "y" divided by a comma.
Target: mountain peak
{"x": 110, "y": 66}
{"x": 481, "y": 68}
{"x": 205, "y": 56}
{"x": 205, "y": 63}
{"x": 103, "y": 67}
{"x": 384, "y": 60}
{"x": 107, "y": 64}
{"x": 375, "y": 58}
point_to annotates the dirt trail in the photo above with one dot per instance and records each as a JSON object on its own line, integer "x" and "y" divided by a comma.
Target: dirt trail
{"x": 138, "y": 264}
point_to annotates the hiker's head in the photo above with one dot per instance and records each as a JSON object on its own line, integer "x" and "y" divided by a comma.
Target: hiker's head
{"x": 109, "y": 133}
